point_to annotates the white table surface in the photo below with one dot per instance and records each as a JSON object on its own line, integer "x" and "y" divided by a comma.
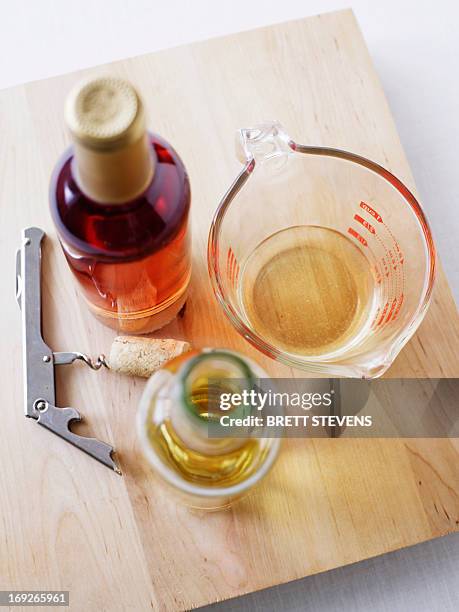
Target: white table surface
{"x": 415, "y": 48}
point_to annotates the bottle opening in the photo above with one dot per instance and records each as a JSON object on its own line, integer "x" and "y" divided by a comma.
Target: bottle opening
{"x": 209, "y": 375}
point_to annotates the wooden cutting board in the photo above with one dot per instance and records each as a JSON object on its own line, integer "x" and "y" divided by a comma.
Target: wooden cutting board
{"x": 119, "y": 543}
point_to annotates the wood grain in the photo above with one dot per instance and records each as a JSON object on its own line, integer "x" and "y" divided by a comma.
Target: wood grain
{"x": 125, "y": 543}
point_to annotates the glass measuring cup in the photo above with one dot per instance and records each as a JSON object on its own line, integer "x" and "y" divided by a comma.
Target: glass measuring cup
{"x": 321, "y": 258}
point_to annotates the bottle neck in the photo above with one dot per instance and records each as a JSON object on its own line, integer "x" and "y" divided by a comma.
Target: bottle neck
{"x": 114, "y": 176}
{"x": 197, "y": 393}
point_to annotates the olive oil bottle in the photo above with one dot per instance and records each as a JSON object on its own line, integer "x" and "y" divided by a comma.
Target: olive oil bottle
{"x": 181, "y": 435}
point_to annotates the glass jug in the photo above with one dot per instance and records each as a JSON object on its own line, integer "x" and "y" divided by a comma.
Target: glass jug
{"x": 321, "y": 258}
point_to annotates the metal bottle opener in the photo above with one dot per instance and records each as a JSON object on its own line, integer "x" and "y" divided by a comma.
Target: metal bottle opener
{"x": 39, "y": 359}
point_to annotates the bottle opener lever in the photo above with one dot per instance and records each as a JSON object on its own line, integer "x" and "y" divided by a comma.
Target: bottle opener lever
{"x": 40, "y": 360}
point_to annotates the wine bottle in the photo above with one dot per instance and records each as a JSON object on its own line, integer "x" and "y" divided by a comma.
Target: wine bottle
{"x": 120, "y": 200}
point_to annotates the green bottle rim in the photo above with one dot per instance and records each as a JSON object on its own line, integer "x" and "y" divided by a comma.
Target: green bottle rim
{"x": 187, "y": 368}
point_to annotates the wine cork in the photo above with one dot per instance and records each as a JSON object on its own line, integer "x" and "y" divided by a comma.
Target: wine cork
{"x": 143, "y": 356}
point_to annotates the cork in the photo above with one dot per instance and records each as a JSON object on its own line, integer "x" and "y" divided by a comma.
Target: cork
{"x": 137, "y": 356}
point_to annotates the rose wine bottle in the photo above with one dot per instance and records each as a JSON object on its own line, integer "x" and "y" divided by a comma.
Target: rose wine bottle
{"x": 120, "y": 200}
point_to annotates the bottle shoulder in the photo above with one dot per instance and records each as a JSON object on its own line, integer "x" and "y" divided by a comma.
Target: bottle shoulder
{"x": 128, "y": 230}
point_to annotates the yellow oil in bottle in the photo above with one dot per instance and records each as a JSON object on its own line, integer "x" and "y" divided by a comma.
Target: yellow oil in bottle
{"x": 308, "y": 290}
{"x": 179, "y": 434}
{"x": 226, "y": 469}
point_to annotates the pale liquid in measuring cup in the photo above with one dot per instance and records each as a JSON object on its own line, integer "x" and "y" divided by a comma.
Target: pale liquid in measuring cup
{"x": 308, "y": 290}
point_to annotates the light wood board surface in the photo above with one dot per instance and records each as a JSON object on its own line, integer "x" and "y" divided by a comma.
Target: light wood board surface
{"x": 124, "y": 543}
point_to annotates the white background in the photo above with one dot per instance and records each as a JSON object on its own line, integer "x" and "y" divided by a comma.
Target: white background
{"x": 415, "y": 48}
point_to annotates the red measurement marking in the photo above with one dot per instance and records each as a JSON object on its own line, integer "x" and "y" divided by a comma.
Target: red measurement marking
{"x": 236, "y": 273}
{"x": 233, "y": 261}
{"x": 400, "y": 254}
{"x": 232, "y": 266}
{"x": 399, "y": 305}
{"x": 371, "y": 211}
{"x": 358, "y": 237}
{"x": 377, "y": 274}
{"x": 230, "y": 263}
{"x": 385, "y": 266}
{"x": 361, "y": 220}
{"x": 383, "y": 314}
{"x": 393, "y": 260}
{"x": 391, "y": 311}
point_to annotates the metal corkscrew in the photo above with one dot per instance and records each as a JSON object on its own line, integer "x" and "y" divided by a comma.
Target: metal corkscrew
{"x": 40, "y": 360}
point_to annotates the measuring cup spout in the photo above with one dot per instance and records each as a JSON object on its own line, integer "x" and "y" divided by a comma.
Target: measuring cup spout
{"x": 262, "y": 142}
